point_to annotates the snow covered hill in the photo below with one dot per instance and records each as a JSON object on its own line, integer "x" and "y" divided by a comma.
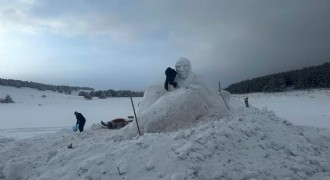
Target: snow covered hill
{"x": 247, "y": 143}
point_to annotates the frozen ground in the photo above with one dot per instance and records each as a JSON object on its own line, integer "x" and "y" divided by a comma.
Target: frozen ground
{"x": 246, "y": 144}
{"x": 308, "y": 108}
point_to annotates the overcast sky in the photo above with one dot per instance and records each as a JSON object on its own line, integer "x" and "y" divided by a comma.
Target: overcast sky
{"x": 125, "y": 44}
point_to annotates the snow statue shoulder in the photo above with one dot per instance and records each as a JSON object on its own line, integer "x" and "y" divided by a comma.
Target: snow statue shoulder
{"x": 189, "y": 103}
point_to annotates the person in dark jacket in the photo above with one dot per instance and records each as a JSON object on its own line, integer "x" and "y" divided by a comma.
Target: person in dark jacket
{"x": 170, "y": 76}
{"x": 80, "y": 121}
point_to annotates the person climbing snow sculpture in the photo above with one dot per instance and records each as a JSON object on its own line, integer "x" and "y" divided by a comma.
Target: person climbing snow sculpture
{"x": 170, "y": 76}
{"x": 80, "y": 121}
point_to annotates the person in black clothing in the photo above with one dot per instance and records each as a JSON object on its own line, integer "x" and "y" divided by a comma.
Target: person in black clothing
{"x": 170, "y": 76}
{"x": 80, "y": 121}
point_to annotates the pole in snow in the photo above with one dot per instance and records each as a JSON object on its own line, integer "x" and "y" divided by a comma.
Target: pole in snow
{"x": 137, "y": 124}
{"x": 222, "y": 96}
{"x": 246, "y": 100}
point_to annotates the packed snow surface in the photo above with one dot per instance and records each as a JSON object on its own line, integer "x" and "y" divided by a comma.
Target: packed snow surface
{"x": 247, "y": 143}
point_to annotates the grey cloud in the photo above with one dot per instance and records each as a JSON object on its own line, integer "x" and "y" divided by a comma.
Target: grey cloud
{"x": 225, "y": 40}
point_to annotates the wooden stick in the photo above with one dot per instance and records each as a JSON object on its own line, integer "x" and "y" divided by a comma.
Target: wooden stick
{"x": 137, "y": 124}
{"x": 222, "y": 96}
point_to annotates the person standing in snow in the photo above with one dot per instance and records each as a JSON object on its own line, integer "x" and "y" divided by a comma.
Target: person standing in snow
{"x": 80, "y": 121}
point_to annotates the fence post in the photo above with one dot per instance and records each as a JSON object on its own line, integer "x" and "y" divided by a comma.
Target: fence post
{"x": 136, "y": 120}
{"x": 246, "y": 100}
{"x": 222, "y": 96}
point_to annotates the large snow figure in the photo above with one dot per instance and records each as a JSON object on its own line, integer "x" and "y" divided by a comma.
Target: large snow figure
{"x": 162, "y": 111}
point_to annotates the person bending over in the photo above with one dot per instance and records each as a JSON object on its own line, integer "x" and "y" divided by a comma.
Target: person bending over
{"x": 80, "y": 121}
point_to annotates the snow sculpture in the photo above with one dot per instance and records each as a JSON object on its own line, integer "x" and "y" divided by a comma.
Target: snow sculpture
{"x": 162, "y": 111}
{"x": 184, "y": 76}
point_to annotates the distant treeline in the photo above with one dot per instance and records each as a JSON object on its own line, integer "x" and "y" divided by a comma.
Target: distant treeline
{"x": 110, "y": 93}
{"x": 70, "y": 89}
{"x": 307, "y": 78}
{"x": 40, "y": 86}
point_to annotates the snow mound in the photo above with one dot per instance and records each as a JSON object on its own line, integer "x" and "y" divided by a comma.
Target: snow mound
{"x": 245, "y": 144}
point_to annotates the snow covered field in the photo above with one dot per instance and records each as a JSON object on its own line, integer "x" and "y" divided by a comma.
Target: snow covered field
{"x": 33, "y": 114}
{"x": 254, "y": 143}
{"x": 308, "y": 108}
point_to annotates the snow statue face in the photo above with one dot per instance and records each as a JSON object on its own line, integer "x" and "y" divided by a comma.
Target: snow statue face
{"x": 183, "y": 68}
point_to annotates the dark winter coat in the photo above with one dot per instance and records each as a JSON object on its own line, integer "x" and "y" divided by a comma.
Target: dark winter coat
{"x": 80, "y": 121}
{"x": 80, "y": 118}
{"x": 170, "y": 76}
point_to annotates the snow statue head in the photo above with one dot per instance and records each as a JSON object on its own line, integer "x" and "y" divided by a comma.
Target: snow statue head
{"x": 183, "y": 68}
{"x": 184, "y": 75}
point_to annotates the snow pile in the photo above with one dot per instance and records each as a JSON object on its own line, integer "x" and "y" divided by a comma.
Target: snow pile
{"x": 246, "y": 144}
{"x": 184, "y": 138}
